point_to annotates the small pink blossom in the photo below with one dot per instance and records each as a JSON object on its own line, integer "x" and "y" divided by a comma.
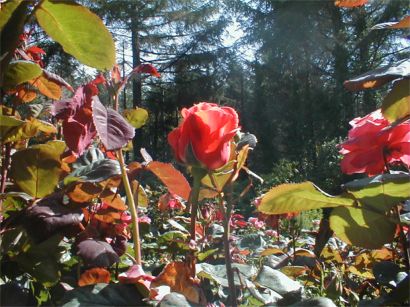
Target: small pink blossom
{"x": 255, "y": 222}
{"x": 144, "y": 219}
{"x": 257, "y": 201}
{"x": 271, "y": 233}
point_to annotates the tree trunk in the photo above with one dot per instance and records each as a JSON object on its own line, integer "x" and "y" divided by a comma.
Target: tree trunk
{"x": 136, "y": 85}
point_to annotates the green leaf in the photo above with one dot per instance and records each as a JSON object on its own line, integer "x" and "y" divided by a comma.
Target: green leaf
{"x": 36, "y": 170}
{"x": 41, "y": 261}
{"x": 171, "y": 236}
{"x": 221, "y": 177}
{"x": 97, "y": 171}
{"x": 103, "y": 295}
{"x": 80, "y": 32}
{"x": 361, "y": 227}
{"x": 202, "y": 256}
{"x": 29, "y": 129}
{"x": 396, "y": 104}
{"x": 19, "y": 72}
{"x": 13, "y": 15}
{"x": 13, "y": 201}
{"x": 136, "y": 117}
{"x": 7, "y": 10}
{"x": 380, "y": 192}
{"x": 299, "y": 197}
{"x": 218, "y": 274}
{"x": 142, "y": 195}
{"x": 7, "y": 124}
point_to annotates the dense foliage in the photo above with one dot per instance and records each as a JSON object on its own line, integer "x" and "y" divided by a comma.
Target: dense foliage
{"x": 91, "y": 217}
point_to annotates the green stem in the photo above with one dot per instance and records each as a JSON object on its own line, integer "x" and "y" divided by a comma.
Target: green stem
{"x": 198, "y": 174}
{"x": 133, "y": 209}
{"x": 228, "y": 259}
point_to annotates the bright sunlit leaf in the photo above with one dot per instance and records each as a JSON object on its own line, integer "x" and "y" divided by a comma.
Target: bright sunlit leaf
{"x": 380, "y": 192}
{"x": 350, "y": 3}
{"x": 396, "y": 104}
{"x": 171, "y": 177}
{"x": 80, "y": 32}
{"x": 361, "y": 227}
{"x": 136, "y": 117}
{"x": 298, "y": 197}
{"x": 46, "y": 87}
{"x": 29, "y": 129}
{"x": 19, "y": 72}
{"x": 94, "y": 276}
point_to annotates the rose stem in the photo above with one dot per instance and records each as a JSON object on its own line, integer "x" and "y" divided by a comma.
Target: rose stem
{"x": 133, "y": 208}
{"x": 228, "y": 260}
{"x": 198, "y": 174}
{"x": 130, "y": 199}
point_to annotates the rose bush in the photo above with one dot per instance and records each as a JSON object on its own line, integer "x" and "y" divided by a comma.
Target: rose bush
{"x": 372, "y": 143}
{"x": 204, "y": 136}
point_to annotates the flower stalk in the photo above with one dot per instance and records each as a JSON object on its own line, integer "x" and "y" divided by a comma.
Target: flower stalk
{"x": 227, "y": 251}
{"x": 133, "y": 208}
{"x": 197, "y": 174}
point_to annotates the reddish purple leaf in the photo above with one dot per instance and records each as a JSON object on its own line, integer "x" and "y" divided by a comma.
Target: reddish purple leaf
{"x": 49, "y": 216}
{"x": 112, "y": 128}
{"x": 78, "y": 136}
{"x": 148, "y": 69}
{"x": 78, "y": 127}
{"x": 97, "y": 253}
{"x": 68, "y": 107}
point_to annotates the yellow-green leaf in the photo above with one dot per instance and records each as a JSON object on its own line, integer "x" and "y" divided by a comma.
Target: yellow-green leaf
{"x": 142, "y": 195}
{"x": 272, "y": 251}
{"x": 36, "y": 170}
{"x": 7, "y": 124}
{"x": 136, "y": 117}
{"x": 361, "y": 227}
{"x": 381, "y": 192}
{"x": 7, "y": 10}
{"x": 80, "y": 32}
{"x": 19, "y": 72}
{"x": 396, "y": 104}
{"x": 29, "y": 129}
{"x": 13, "y": 16}
{"x": 299, "y": 197}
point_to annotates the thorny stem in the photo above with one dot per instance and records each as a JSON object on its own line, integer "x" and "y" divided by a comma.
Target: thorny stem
{"x": 226, "y": 224}
{"x": 198, "y": 174}
{"x": 133, "y": 209}
{"x": 130, "y": 199}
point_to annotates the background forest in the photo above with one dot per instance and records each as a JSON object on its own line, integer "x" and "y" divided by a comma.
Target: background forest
{"x": 280, "y": 62}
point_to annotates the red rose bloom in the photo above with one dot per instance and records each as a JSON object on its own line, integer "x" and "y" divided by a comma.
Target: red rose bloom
{"x": 203, "y": 138}
{"x": 371, "y": 143}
